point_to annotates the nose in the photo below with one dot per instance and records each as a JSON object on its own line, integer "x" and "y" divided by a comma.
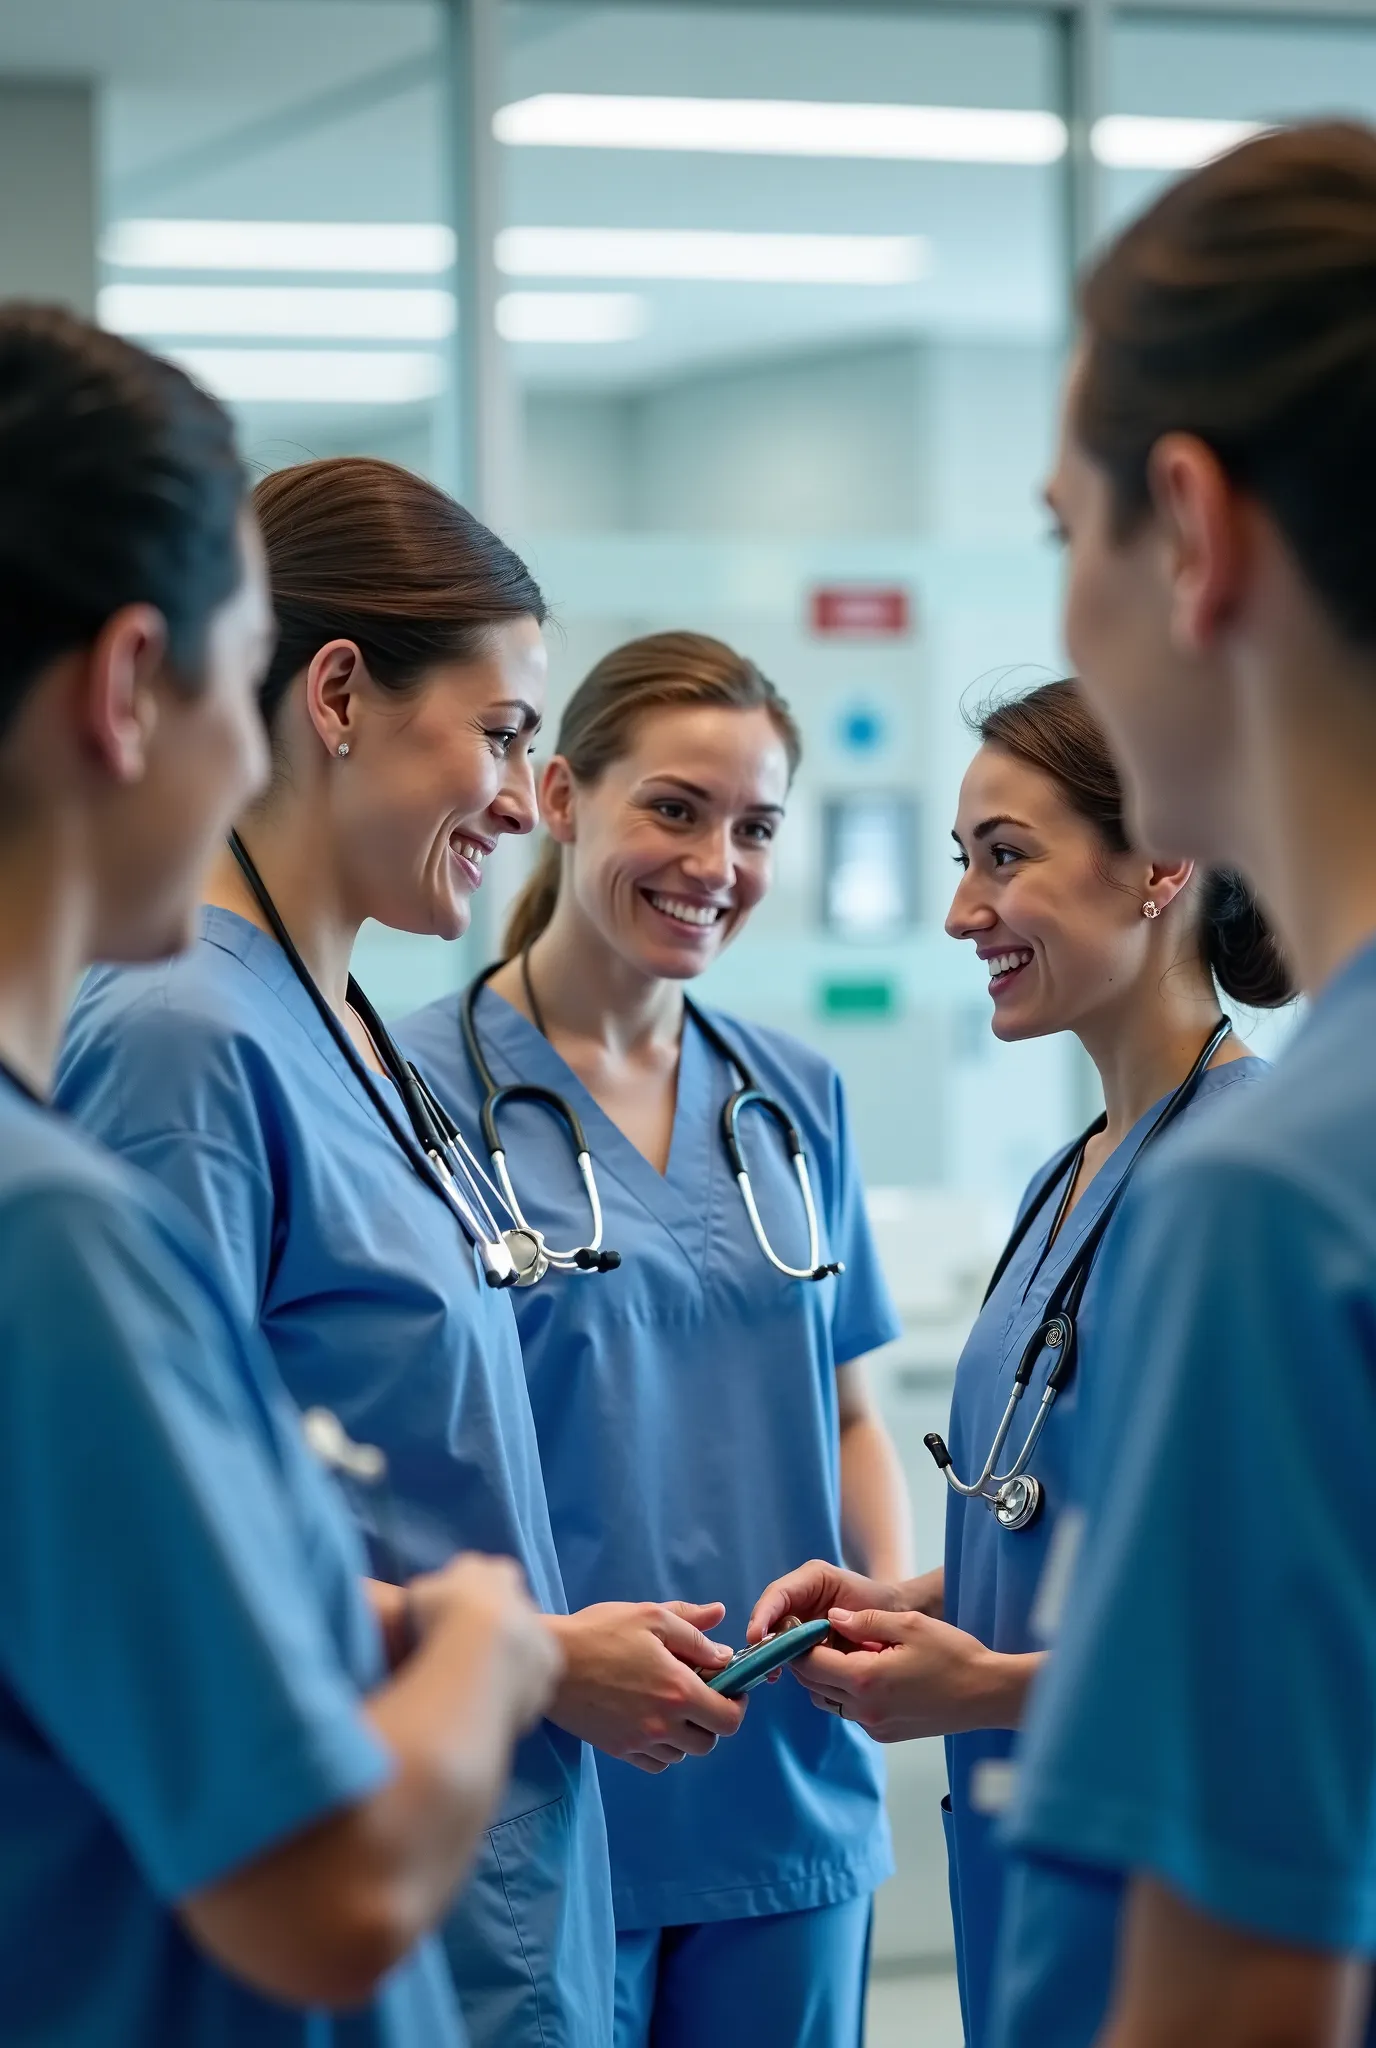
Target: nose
{"x": 711, "y": 859}
{"x": 516, "y": 807}
{"x": 969, "y": 914}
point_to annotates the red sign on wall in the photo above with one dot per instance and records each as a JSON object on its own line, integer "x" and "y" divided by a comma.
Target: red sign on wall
{"x": 860, "y": 611}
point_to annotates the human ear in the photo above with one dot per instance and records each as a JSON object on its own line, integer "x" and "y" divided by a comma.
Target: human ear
{"x": 121, "y": 702}
{"x": 332, "y": 681}
{"x": 557, "y": 797}
{"x": 1166, "y": 879}
{"x": 1198, "y": 512}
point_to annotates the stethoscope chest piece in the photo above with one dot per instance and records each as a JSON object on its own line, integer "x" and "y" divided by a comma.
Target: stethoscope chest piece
{"x": 1018, "y": 1502}
{"x": 528, "y": 1255}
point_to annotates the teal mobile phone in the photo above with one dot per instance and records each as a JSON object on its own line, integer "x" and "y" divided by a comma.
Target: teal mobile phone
{"x": 749, "y": 1668}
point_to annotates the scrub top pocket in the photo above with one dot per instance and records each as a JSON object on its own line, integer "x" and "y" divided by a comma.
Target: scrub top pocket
{"x": 511, "y": 1925}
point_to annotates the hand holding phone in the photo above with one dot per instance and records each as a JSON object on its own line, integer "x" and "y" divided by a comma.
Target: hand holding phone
{"x": 750, "y": 1667}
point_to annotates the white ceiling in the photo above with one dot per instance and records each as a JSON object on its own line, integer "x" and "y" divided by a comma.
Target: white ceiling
{"x": 331, "y": 110}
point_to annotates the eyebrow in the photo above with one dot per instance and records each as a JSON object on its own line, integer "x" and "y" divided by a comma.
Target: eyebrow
{"x": 988, "y": 825}
{"x": 705, "y": 795}
{"x": 531, "y": 719}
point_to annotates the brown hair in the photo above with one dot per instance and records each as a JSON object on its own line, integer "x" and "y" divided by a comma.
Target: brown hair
{"x": 1053, "y": 729}
{"x": 363, "y": 550}
{"x": 119, "y": 484}
{"x": 661, "y": 671}
{"x": 1241, "y": 308}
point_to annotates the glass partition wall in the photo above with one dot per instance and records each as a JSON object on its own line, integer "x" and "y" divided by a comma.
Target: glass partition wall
{"x": 770, "y": 305}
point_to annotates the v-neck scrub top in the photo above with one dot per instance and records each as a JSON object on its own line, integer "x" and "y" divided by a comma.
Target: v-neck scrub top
{"x": 687, "y": 1416}
{"x": 184, "y": 1645}
{"x": 216, "y": 1074}
{"x": 1208, "y": 1715}
{"x": 993, "y": 1574}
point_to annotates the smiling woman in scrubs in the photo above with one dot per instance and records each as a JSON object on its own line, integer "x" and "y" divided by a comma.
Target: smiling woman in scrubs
{"x": 1197, "y": 1790}
{"x": 700, "y": 1415}
{"x": 220, "y": 1816}
{"x": 402, "y": 699}
{"x": 1080, "y": 931}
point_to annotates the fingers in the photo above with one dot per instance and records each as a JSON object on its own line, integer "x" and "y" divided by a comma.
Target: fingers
{"x": 829, "y": 1671}
{"x": 710, "y": 1712}
{"x": 871, "y": 1625}
{"x": 686, "y": 1641}
{"x": 805, "y": 1592}
{"x": 702, "y": 1613}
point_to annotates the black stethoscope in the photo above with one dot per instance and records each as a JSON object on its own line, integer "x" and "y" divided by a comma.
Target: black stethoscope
{"x": 746, "y": 1096}
{"x": 434, "y": 1146}
{"x": 1015, "y": 1497}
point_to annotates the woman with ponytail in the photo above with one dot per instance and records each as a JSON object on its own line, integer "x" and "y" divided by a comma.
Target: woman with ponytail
{"x": 254, "y": 1079}
{"x": 1080, "y": 931}
{"x": 702, "y": 1416}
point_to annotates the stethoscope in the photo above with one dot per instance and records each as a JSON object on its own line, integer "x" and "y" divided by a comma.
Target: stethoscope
{"x": 745, "y": 1096}
{"x": 1015, "y": 1497}
{"x": 434, "y": 1146}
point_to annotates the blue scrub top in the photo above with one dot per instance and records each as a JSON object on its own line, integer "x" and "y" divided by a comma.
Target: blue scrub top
{"x": 183, "y": 1641}
{"x": 1209, "y": 1712}
{"x": 216, "y": 1074}
{"x": 686, "y": 1409}
{"x": 992, "y": 1574}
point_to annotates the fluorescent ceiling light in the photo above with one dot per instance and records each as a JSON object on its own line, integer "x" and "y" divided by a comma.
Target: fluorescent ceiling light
{"x": 310, "y": 376}
{"x": 556, "y": 120}
{"x": 349, "y": 312}
{"x": 1150, "y": 142}
{"x": 414, "y": 247}
{"x": 709, "y": 254}
{"x": 571, "y": 316}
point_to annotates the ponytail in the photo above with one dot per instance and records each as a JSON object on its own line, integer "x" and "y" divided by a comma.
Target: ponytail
{"x": 534, "y": 907}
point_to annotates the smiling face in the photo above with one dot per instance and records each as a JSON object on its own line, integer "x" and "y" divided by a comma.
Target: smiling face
{"x": 1053, "y": 912}
{"x": 670, "y": 849}
{"x": 1132, "y": 631}
{"x": 435, "y": 777}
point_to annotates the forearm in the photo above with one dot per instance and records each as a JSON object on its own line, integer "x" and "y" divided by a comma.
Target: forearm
{"x": 450, "y": 1724}
{"x": 999, "y": 1686}
{"x": 876, "y": 1522}
{"x": 926, "y": 1594}
{"x": 321, "y": 1918}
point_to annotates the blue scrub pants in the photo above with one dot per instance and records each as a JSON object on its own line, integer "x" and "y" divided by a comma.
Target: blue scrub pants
{"x": 784, "y": 1980}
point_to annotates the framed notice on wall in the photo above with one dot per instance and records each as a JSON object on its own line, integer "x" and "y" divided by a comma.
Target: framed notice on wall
{"x": 869, "y": 872}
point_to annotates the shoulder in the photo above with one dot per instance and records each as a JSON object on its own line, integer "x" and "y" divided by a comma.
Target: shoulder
{"x": 1304, "y": 1131}
{"x": 796, "y": 1072}
{"x": 155, "y": 1040}
{"x": 73, "y": 1214}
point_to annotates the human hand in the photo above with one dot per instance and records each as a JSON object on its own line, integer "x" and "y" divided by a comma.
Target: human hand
{"x": 484, "y": 1602}
{"x": 811, "y": 1591}
{"x": 631, "y": 1687}
{"x": 911, "y": 1675}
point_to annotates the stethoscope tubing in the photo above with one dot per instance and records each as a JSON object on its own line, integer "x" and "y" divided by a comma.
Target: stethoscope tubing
{"x": 1058, "y": 1328}
{"x": 424, "y": 1145}
{"x": 747, "y": 1095}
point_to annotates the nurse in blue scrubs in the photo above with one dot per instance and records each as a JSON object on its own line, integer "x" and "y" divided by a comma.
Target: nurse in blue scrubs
{"x": 1195, "y": 1829}
{"x": 221, "y": 1817}
{"x": 1079, "y": 931}
{"x": 701, "y": 1415}
{"x": 253, "y": 1080}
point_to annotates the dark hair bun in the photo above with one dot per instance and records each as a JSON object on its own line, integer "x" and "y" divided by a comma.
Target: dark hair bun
{"x": 1240, "y": 945}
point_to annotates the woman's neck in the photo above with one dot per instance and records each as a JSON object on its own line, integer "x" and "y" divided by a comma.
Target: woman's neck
{"x": 1146, "y": 1047}
{"x": 43, "y": 950}
{"x": 588, "y": 992}
{"x": 290, "y": 850}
